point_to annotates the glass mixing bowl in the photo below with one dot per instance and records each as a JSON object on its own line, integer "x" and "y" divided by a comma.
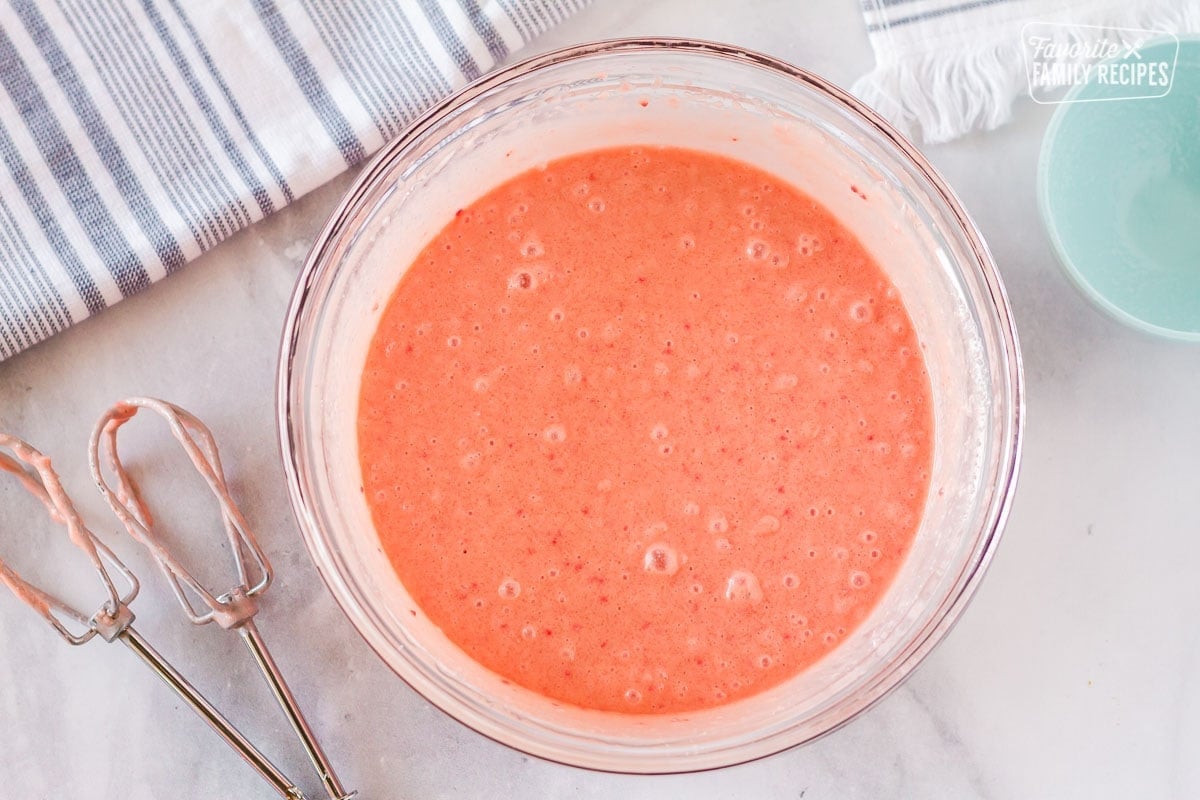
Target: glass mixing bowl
{"x": 710, "y": 97}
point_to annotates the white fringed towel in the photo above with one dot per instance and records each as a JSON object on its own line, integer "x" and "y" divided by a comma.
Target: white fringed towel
{"x": 948, "y": 67}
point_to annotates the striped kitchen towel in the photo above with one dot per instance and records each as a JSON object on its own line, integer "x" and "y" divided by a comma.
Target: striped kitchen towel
{"x": 947, "y": 67}
{"x": 136, "y": 134}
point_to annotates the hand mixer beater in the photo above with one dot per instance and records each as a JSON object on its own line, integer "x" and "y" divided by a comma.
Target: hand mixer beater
{"x": 233, "y": 610}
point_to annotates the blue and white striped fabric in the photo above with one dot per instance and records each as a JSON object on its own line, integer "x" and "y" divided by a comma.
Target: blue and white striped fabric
{"x": 136, "y": 134}
{"x": 944, "y": 68}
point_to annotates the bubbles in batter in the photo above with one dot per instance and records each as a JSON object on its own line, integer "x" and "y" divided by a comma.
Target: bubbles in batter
{"x": 743, "y": 587}
{"x": 757, "y": 249}
{"x": 661, "y": 559}
{"x": 666, "y": 395}
{"x": 808, "y": 244}
{"x": 532, "y": 248}
{"x": 522, "y": 280}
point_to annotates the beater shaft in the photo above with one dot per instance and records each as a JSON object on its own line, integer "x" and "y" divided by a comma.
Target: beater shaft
{"x": 283, "y": 694}
{"x": 217, "y": 721}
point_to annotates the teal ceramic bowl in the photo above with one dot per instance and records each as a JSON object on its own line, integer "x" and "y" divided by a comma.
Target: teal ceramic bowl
{"x": 1119, "y": 189}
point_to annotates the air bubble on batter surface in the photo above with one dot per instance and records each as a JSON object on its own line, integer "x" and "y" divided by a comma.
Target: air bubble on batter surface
{"x": 661, "y": 559}
{"x": 807, "y": 244}
{"x": 555, "y": 433}
{"x": 742, "y": 586}
{"x": 509, "y": 588}
{"x": 533, "y": 248}
{"x": 860, "y": 312}
{"x": 522, "y": 280}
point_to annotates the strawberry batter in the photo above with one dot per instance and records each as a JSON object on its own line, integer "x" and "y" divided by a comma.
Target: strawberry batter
{"x": 645, "y": 430}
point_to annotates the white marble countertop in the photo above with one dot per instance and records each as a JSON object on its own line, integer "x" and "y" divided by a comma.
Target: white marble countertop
{"x": 1075, "y": 673}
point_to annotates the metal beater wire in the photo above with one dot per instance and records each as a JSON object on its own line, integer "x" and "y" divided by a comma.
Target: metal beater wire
{"x": 113, "y": 621}
{"x": 234, "y": 609}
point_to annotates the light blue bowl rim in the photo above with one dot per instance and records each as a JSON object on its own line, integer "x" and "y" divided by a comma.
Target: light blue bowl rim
{"x": 1072, "y": 270}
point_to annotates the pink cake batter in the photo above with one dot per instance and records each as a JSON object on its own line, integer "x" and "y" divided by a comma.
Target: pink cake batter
{"x": 645, "y": 430}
